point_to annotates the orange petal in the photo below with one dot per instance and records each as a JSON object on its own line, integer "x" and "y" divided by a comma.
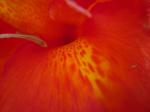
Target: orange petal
{"x": 44, "y": 18}
{"x": 82, "y": 76}
{"x": 121, "y": 38}
{"x": 63, "y": 79}
{"x": 108, "y": 73}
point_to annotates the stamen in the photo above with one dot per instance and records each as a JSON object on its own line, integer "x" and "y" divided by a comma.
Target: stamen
{"x": 32, "y": 38}
{"x": 97, "y": 2}
{"x": 78, "y": 8}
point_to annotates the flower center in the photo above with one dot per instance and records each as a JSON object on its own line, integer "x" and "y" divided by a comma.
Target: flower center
{"x": 55, "y": 24}
{"x": 68, "y": 35}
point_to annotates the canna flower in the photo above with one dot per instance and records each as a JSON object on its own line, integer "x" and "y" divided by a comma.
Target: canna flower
{"x": 74, "y": 56}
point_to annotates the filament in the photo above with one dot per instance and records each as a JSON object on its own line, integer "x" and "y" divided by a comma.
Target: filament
{"x": 78, "y": 8}
{"x": 31, "y": 38}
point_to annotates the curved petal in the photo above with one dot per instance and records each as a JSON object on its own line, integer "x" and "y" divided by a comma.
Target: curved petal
{"x": 44, "y": 18}
{"x": 122, "y": 38}
{"x": 8, "y": 46}
{"x": 108, "y": 75}
{"x": 59, "y": 80}
{"x": 109, "y": 71}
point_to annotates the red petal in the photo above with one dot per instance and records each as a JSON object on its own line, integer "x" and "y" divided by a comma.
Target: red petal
{"x": 109, "y": 73}
{"x": 59, "y": 80}
{"x": 44, "y": 18}
{"x": 120, "y": 36}
{"x": 8, "y": 46}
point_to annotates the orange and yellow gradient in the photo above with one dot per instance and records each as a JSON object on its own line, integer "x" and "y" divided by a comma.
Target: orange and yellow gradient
{"x": 96, "y": 60}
